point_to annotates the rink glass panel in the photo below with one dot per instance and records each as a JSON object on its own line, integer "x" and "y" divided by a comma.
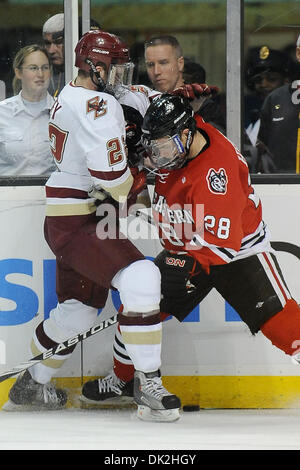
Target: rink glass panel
{"x": 211, "y": 359}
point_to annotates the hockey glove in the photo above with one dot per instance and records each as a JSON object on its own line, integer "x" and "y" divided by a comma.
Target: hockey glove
{"x": 99, "y": 194}
{"x": 176, "y": 270}
{"x": 138, "y": 186}
{"x": 133, "y": 128}
{"x": 193, "y": 91}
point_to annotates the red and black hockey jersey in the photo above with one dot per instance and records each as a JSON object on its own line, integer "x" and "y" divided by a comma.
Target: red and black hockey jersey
{"x": 208, "y": 208}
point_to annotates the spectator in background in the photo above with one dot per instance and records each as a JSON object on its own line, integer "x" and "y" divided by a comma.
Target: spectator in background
{"x": 168, "y": 70}
{"x": 53, "y": 36}
{"x": 279, "y": 132}
{"x": 164, "y": 63}
{"x": 24, "y": 141}
{"x": 193, "y": 72}
{"x": 266, "y": 69}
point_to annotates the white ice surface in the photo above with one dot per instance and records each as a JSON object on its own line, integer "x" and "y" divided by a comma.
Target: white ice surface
{"x": 76, "y": 429}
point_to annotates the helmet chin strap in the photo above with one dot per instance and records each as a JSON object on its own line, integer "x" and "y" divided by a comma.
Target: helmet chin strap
{"x": 189, "y": 140}
{"x": 100, "y": 84}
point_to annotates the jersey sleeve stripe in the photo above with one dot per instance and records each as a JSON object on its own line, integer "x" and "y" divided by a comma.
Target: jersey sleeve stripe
{"x": 121, "y": 190}
{"x": 65, "y": 193}
{"x": 70, "y": 209}
{"x": 107, "y": 175}
{"x": 225, "y": 254}
{"x": 255, "y": 237}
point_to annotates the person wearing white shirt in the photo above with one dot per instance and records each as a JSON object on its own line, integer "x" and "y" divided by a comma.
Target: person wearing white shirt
{"x": 24, "y": 138}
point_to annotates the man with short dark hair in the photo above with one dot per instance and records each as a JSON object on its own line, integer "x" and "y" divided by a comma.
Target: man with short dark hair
{"x": 164, "y": 63}
{"x": 165, "y": 66}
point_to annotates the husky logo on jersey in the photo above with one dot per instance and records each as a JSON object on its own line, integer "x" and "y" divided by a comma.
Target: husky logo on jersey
{"x": 96, "y": 106}
{"x": 217, "y": 181}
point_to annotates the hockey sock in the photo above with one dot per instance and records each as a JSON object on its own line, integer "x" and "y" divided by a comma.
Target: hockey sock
{"x": 142, "y": 337}
{"x": 283, "y": 329}
{"x": 44, "y": 371}
{"x": 123, "y": 366}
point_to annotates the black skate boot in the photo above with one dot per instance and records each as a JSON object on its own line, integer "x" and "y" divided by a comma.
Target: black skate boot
{"x": 154, "y": 402}
{"x": 108, "y": 391}
{"x": 27, "y": 394}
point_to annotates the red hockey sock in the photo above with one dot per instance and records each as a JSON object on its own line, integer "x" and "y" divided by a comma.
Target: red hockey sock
{"x": 283, "y": 329}
{"x": 123, "y": 371}
{"x": 163, "y": 316}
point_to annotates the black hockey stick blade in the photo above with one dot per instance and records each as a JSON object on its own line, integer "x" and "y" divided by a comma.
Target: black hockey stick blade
{"x": 60, "y": 347}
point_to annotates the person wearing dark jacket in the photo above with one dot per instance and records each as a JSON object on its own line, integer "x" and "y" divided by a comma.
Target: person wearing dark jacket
{"x": 279, "y": 127}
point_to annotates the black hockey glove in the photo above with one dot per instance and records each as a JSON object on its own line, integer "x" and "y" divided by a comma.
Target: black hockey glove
{"x": 176, "y": 270}
{"x": 133, "y": 127}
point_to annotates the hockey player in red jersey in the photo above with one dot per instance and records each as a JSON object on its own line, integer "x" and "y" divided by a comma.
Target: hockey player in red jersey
{"x": 87, "y": 134}
{"x": 210, "y": 224}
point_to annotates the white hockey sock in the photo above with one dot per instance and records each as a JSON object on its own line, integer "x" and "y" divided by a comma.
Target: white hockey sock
{"x": 143, "y": 344}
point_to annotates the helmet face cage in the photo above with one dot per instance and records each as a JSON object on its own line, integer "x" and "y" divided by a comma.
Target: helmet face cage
{"x": 120, "y": 74}
{"x": 165, "y": 119}
{"x": 101, "y": 47}
{"x": 166, "y": 152}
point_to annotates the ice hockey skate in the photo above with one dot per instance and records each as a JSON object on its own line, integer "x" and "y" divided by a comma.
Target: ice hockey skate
{"x": 109, "y": 391}
{"x": 28, "y": 395}
{"x": 154, "y": 402}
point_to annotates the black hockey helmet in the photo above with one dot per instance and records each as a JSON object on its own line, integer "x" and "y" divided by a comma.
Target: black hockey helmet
{"x": 167, "y": 116}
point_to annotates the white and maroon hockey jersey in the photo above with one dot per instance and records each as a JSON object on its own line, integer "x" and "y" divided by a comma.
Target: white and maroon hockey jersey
{"x": 137, "y": 96}
{"x": 87, "y": 138}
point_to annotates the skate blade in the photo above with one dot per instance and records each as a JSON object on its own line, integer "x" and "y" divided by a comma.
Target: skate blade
{"x": 11, "y": 406}
{"x": 114, "y": 402}
{"x": 162, "y": 416}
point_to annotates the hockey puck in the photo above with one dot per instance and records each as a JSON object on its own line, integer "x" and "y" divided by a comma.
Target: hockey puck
{"x": 191, "y": 408}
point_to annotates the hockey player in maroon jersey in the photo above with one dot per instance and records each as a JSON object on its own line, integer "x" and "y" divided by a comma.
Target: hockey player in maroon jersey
{"x": 210, "y": 224}
{"x": 87, "y": 134}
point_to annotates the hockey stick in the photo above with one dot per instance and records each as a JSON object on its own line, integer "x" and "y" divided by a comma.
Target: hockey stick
{"x": 60, "y": 347}
{"x": 146, "y": 217}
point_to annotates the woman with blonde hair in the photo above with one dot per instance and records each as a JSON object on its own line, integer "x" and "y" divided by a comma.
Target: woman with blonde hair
{"x": 24, "y": 140}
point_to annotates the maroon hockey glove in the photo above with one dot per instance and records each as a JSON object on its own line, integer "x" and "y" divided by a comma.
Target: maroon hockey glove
{"x": 138, "y": 185}
{"x": 195, "y": 90}
{"x": 139, "y": 181}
